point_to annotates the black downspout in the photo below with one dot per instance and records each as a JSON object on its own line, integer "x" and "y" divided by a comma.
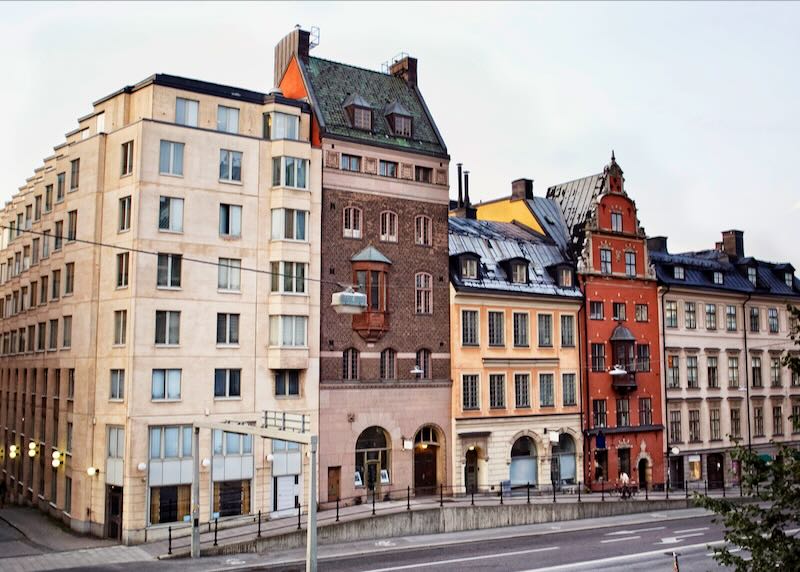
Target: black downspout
{"x": 587, "y": 449}
{"x": 746, "y": 369}
{"x": 665, "y": 419}
{"x": 584, "y": 415}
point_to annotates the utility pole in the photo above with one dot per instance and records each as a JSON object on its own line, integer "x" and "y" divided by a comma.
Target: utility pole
{"x": 311, "y": 533}
{"x": 196, "y": 493}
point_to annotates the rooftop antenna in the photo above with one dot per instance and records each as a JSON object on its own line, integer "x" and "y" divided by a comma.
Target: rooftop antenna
{"x": 387, "y": 65}
{"x": 313, "y": 39}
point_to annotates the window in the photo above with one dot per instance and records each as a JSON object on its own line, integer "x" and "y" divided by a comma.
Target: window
{"x": 287, "y": 382}
{"x": 401, "y": 125}
{"x": 289, "y": 224}
{"x": 674, "y": 426}
{"x": 230, "y": 220}
{"x": 350, "y": 364}
{"x": 120, "y": 327}
{"x": 373, "y": 284}
{"x": 469, "y": 392}
{"x": 599, "y": 413}
{"x": 48, "y": 198}
{"x": 752, "y": 276}
{"x": 755, "y": 368}
{"x": 645, "y": 411}
{"x": 733, "y": 372}
{"x": 623, "y": 412}
{"x": 117, "y": 390}
{"x": 690, "y": 315}
{"x": 45, "y": 245}
{"x": 59, "y": 236}
{"x": 678, "y": 273}
{"x": 227, "y": 383}
{"x": 72, "y": 225}
{"x": 522, "y": 384}
{"x": 60, "y": 186}
{"x": 37, "y": 209}
{"x": 630, "y": 264}
{"x": 74, "y": 175}
{"x": 227, "y": 329}
{"x": 166, "y": 384}
{"x": 694, "y": 425}
{"x": 775, "y": 372}
{"x": 287, "y": 331}
{"x": 754, "y": 320}
{"x": 424, "y": 363}
{"x": 711, "y": 317}
{"x": 424, "y": 293}
{"x": 422, "y": 231}
{"x": 116, "y": 443}
{"x": 388, "y": 364}
{"x": 387, "y": 169}
{"x": 55, "y": 281}
{"x": 568, "y": 389}
{"x": 567, "y": 331}
{"x": 546, "y": 393}
{"x": 126, "y": 162}
{"x": 596, "y": 310}
{"x": 53, "y": 342}
{"x": 69, "y": 278}
{"x": 519, "y": 273}
{"x": 605, "y": 261}
{"x": 186, "y": 111}
{"x": 777, "y": 420}
{"x": 230, "y": 165}
{"x": 469, "y": 327}
{"x": 673, "y": 372}
{"x": 795, "y": 379}
{"x": 758, "y": 421}
{"x": 290, "y": 172}
{"x": 388, "y": 226}
{"x": 288, "y": 277}
{"x": 714, "y": 427}
{"x": 598, "y": 357}
{"x": 423, "y": 174}
{"x": 169, "y": 271}
{"x": 788, "y": 277}
{"x": 66, "y": 338}
{"x": 352, "y": 222}
{"x": 351, "y": 163}
{"x": 736, "y": 423}
{"x": 545, "y": 330}
{"x": 772, "y": 320}
{"x": 168, "y": 327}
{"x": 170, "y": 214}
{"x": 616, "y": 222}
{"x": 469, "y": 268}
{"x": 520, "y": 330}
{"x": 718, "y": 278}
{"x": 619, "y": 311}
{"x": 565, "y": 277}
{"x": 362, "y": 118}
{"x": 171, "y": 442}
{"x": 691, "y": 372}
{"x": 124, "y": 214}
{"x": 227, "y": 119}
{"x": 497, "y": 391}
{"x": 42, "y": 291}
{"x": 229, "y": 273}
{"x": 35, "y": 251}
{"x": 170, "y": 158}
{"x": 711, "y": 372}
{"x": 283, "y": 126}
{"x": 642, "y": 357}
{"x": 730, "y": 314}
{"x": 671, "y": 314}
{"x": 122, "y": 269}
{"x": 496, "y": 337}
{"x": 68, "y": 484}
{"x": 795, "y": 418}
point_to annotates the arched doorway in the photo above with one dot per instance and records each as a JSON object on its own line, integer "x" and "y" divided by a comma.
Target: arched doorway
{"x": 372, "y": 459}
{"x": 523, "y": 469}
{"x": 643, "y": 467}
{"x": 715, "y": 463}
{"x": 426, "y": 452}
{"x": 471, "y": 471}
{"x": 562, "y": 467}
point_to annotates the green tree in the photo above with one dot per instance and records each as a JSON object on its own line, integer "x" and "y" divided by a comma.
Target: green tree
{"x": 760, "y": 528}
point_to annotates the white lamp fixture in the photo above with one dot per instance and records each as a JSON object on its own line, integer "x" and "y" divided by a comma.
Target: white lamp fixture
{"x": 417, "y": 370}
{"x": 12, "y": 452}
{"x": 206, "y": 462}
{"x": 349, "y": 301}
{"x": 142, "y": 467}
{"x": 617, "y": 370}
{"x": 270, "y": 457}
{"x": 92, "y": 471}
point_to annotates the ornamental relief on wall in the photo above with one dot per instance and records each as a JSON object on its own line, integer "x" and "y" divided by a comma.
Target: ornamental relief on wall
{"x": 332, "y": 159}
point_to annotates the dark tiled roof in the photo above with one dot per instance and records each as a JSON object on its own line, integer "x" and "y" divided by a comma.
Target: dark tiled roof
{"x": 499, "y": 242}
{"x": 549, "y": 215}
{"x": 577, "y": 199}
{"x": 333, "y": 83}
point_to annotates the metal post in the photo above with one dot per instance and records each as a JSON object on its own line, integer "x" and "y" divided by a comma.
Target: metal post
{"x": 259, "y": 524}
{"x": 554, "y": 491}
{"x": 501, "y": 493}
{"x": 705, "y": 487}
{"x": 723, "y": 487}
{"x": 646, "y": 495}
{"x": 529, "y": 492}
{"x": 579, "y": 492}
{"x": 667, "y": 488}
{"x": 603, "y": 490}
{"x": 740, "y": 488}
{"x": 196, "y": 494}
{"x": 441, "y": 495}
{"x": 299, "y": 508}
{"x": 408, "y": 498}
{"x": 311, "y": 533}
{"x": 373, "y": 500}
{"x": 169, "y": 546}
{"x": 337, "y": 509}
{"x": 472, "y": 492}
{"x": 686, "y": 488}
{"x": 216, "y": 521}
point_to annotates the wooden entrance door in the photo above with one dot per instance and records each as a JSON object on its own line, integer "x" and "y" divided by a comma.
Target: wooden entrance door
{"x": 715, "y": 463}
{"x": 471, "y": 472}
{"x": 644, "y": 478}
{"x": 425, "y": 470}
{"x": 334, "y": 477}
{"x": 114, "y": 512}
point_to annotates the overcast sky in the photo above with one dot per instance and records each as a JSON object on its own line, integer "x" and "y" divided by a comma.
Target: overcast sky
{"x": 699, "y": 101}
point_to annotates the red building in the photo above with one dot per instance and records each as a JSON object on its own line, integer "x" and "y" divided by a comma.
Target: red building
{"x": 622, "y": 389}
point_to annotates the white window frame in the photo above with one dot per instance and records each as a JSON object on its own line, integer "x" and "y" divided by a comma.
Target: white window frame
{"x": 290, "y": 172}
{"x": 170, "y": 267}
{"x": 423, "y": 290}
{"x": 227, "y": 119}
{"x": 423, "y": 230}
{"x": 231, "y": 333}
{"x": 175, "y": 209}
{"x": 190, "y": 111}
{"x": 352, "y": 222}
{"x": 297, "y": 331}
{"x": 169, "y": 377}
{"x": 279, "y": 230}
{"x": 120, "y": 327}
{"x": 170, "y": 158}
{"x": 171, "y": 317}
{"x": 230, "y": 218}
{"x": 227, "y": 160}
{"x": 229, "y": 275}
{"x": 388, "y": 225}
{"x": 116, "y": 390}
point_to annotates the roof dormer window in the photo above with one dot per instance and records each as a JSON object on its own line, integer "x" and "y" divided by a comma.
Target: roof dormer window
{"x": 519, "y": 273}
{"x": 678, "y": 273}
{"x": 752, "y": 276}
{"x": 788, "y": 279}
{"x": 399, "y": 119}
{"x": 469, "y": 268}
{"x": 718, "y": 278}
{"x": 362, "y": 118}
{"x": 565, "y": 278}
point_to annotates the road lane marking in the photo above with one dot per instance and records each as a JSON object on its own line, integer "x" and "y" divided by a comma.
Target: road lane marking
{"x": 679, "y": 532}
{"x": 732, "y": 551}
{"x": 622, "y": 532}
{"x": 678, "y": 538}
{"x": 607, "y": 540}
{"x": 465, "y": 559}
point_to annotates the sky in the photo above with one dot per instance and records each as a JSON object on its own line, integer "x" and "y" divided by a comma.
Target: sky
{"x": 698, "y": 100}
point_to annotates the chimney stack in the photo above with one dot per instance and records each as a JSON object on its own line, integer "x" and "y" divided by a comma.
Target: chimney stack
{"x": 296, "y": 42}
{"x": 406, "y": 69}
{"x": 469, "y": 210}
{"x": 733, "y": 243}
{"x": 657, "y": 244}
{"x": 460, "y": 193}
{"x": 522, "y": 189}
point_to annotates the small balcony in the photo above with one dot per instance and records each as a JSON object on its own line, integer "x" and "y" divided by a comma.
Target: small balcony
{"x": 371, "y": 325}
{"x": 623, "y": 382}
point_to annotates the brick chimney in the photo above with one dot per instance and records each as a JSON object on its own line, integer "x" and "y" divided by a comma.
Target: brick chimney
{"x": 406, "y": 69}
{"x": 294, "y": 43}
{"x": 657, "y": 244}
{"x": 522, "y": 189}
{"x": 733, "y": 243}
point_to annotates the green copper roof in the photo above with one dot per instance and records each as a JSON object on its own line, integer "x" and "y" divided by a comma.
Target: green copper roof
{"x": 370, "y": 254}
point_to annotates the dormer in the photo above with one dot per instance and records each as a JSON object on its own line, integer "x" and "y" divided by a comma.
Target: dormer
{"x": 516, "y": 270}
{"x": 717, "y": 278}
{"x": 399, "y": 119}
{"x": 678, "y": 272}
{"x": 750, "y": 271}
{"x": 563, "y": 275}
{"x": 359, "y": 112}
{"x": 785, "y": 273}
{"x": 468, "y": 266}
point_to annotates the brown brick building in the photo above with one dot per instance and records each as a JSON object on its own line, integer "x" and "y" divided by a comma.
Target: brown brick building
{"x": 385, "y": 373}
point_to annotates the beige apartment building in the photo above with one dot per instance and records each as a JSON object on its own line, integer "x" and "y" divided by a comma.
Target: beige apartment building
{"x": 161, "y": 267}
{"x": 725, "y": 328}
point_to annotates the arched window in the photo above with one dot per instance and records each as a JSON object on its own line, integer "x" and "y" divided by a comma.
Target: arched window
{"x": 372, "y": 456}
{"x": 352, "y": 223}
{"x": 427, "y": 435}
{"x": 424, "y": 363}
{"x": 523, "y": 462}
{"x": 388, "y": 226}
{"x": 350, "y": 364}
{"x": 422, "y": 230}
{"x": 563, "y": 465}
{"x": 388, "y": 364}
{"x": 424, "y": 290}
